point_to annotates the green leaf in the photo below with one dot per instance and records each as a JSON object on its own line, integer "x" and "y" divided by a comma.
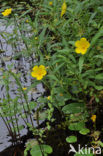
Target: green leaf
{"x": 97, "y": 35}
{"x": 73, "y": 108}
{"x": 32, "y": 105}
{"x": 98, "y": 87}
{"x": 36, "y": 150}
{"x": 81, "y": 61}
{"x": 53, "y": 77}
{"x": 41, "y": 36}
{"x": 71, "y": 139}
{"x": 84, "y": 131}
{"x": 99, "y": 76}
{"x": 100, "y": 143}
{"x": 77, "y": 126}
{"x": 58, "y": 67}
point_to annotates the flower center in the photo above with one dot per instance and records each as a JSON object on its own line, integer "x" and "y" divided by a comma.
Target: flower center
{"x": 40, "y": 72}
{"x": 83, "y": 47}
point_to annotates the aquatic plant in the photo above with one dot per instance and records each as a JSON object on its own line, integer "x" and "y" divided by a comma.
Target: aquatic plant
{"x": 65, "y": 38}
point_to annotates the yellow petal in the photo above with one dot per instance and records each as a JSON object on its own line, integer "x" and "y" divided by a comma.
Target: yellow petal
{"x": 77, "y": 43}
{"x": 35, "y": 68}
{"x": 7, "y": 12}
{"x": 93, "y": 118}
{"x": 44, "y": 72}
{"x": 39, "y": 77}
{"x": 64, "y": 7}
{"x": 78, "y": 50}
{"x": 34, "y": 74}
{"x": 83, "y": 51}
{"x": 84, "y": 42}
{"x": 88, "y": 44}
{"x": 24, "y": 88}
{"x": 83, "y": 39}
{"x": 51, "y": 3}
{"x": 42, "y": 67}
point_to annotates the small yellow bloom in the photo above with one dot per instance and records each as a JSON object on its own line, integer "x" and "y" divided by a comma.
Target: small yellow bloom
{"x": 48, "y": 97}
{"x": 27, "y": 20}
{"x": 7, "y": 12}
{"x": 38, "y": 72}
{"x": 64, "y": 8}
{"x": 36, "y": 38}
{"x": 51, "y": 3}
{"x": 24, "y": 88}
{"x": 93, "y": 118}
{"x": 81, "y": 46}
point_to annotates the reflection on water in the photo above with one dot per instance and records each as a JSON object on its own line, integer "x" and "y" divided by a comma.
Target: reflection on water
{"x": 22, "y": 65}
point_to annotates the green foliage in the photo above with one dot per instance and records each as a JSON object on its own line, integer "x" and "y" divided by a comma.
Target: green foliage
{"x": 71, "y": 139}
{"x": 77, "y": 126}
{"x": 73, "y": 108}
{"x": 73, "y": 81}
{"x": 84, "y": 131}
{"x": 37, "y": 150}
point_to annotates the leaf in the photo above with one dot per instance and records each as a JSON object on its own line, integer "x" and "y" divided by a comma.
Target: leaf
{"x": 58, "y": 67}
{"x": 99, "y": 76}
{"x": 98, "y": 56}
{"x": 41, "y": 36}
{"x": 43, "y": 115}
{"x": 53, "y": 77}
{"x": 32, "y": 105}
{"x": 98, "y": 87}
{"x": 97, "y": 35}
{"x": 36, "y": 151}
{"x": 81, "y": 61}
{"x": 26, "y": 12}
{"x": 73, "y": 108}
{"x": 100, "y": 143}
{"x": 84, "y": 131}
{"x": 71, "y": 139}
{"x": 77, "y": 126}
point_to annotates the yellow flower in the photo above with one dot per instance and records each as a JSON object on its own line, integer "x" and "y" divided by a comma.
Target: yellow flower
{"x": 27, "y": 21}
{"x": 24, "y": 88}
{"x": 64, "y": 8}
{"x": 81, "y": 46}
{"x": 38, "y": 72}
{"x": 51, "y": 3}
{"x": 48, "y": 97}
{"x": 93, "y": 118}
{"x": 7, "y": 12}
{"x": 36, "y": 38}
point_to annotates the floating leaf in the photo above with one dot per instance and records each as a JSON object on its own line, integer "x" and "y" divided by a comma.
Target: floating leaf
{"x": 84, "y": 131}
{"x": 71, "y": 139}
{"x": 76, "y": 126}
{"x": 36, "y": 150}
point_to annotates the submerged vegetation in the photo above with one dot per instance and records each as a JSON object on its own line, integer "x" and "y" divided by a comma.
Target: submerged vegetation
{"x": 64, "y": 41}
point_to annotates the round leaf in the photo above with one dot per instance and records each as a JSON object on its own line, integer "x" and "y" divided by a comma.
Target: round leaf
{"x": 84, "y": 131}
{"x": 71, "y": 139}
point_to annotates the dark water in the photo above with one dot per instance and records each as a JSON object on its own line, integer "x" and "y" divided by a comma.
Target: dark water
{"x": 22, "y": 65}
